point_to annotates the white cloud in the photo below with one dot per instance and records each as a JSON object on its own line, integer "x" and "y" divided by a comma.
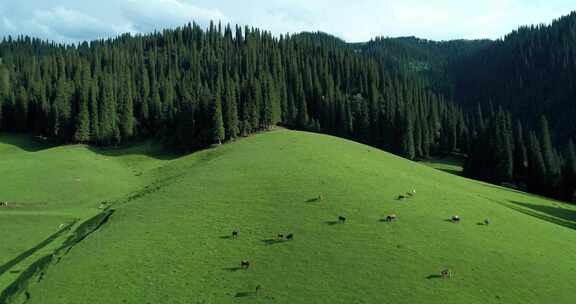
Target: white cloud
{"x": 72, "y": 21}
{"x": 71, "y": 24}
{"x": 358, "y": 20}
{"x": 426, "y": 15}
{"x": 150, "y": 15}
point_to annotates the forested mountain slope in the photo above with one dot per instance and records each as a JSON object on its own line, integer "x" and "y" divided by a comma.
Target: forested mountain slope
{"x": 210, "y": 86}
{"x": 530, "y": 72}
{"x": 518, "y": 96}
{"x": 195, "y": 87}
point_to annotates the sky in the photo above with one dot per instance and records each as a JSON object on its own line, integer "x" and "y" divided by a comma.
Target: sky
{"x": 73, "y": 21}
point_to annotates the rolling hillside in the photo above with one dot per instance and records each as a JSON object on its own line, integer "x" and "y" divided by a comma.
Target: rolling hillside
{"x": 169, "y": 241}
{"x": 51, "y": 191}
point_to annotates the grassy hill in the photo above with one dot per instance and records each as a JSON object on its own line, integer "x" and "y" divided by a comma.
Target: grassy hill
{"x": 50, "y": 190}
{"x": 169, "y": 241}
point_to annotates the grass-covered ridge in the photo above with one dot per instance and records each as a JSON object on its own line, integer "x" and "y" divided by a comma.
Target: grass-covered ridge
{"x": 48, "y": 188}
{"x": 170, "y": 243}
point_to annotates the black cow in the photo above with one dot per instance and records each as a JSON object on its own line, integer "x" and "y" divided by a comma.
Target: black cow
{"x": 234, "y": 234}
{"x": 486, "y": 222}
{"x": 290, "y": 237}
{"x": 455, "y": 219}
{"x": 280, "y": 236}
{"x": 341, "y": 219}
{"x": 245, "y": 264}
{"x": 391, "y": 218}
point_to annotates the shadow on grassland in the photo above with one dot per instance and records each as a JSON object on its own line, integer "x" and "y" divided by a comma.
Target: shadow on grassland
{"x": 150, "y": 148}
{"x": 440, "y": 163}
{"x": 26, "y": 142}
{"x": 559, "y": 216}
{"x": 451, "y": 171}
{"x": 245, "y": 294}
{"x": 31, "y": 251}
{"x": 434, "y": 276}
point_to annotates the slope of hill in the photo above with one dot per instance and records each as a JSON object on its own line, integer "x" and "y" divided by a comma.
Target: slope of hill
{"x": 170, "y": 242}
{"x": 50, "y": 191}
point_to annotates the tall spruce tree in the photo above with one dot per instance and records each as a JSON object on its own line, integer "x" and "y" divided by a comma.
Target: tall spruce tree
{"x": 217, "y": 132}
{"x": 569, "y": 173}
{"x": 82, "y": 134}
{"x": 127, "y": 123}
{"x": 551, "y": 161}
{"x": 21, "y": 110}
{"x": 230, "y": 110}
{"x": 520, "y": 153}
{"x": 537, "y": 168}
{"x": 502, "y": 149}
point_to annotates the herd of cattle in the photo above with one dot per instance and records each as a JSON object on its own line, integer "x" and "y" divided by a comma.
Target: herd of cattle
{"x": 445, "y": 273}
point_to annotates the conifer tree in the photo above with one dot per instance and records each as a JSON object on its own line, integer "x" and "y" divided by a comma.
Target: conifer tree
{"x": 503, "y": 157}
{"x": 127, "y": 109}
{"x": 569, "y": 173}
{"x": 230, "y": 110}
{"x": 407, "y": 144}
{"x": 551, "y": 161}
{"x": 94, "y": 112}
{"x": 4, "y": 89}
{"x": 536, "y": 169}
{"x": 520, "y": 153}
{"x": 21, "y": 110}
{"x": 61, "y": 109}
{"x": 217, "y": 123}
{"x": 107, "y": 115}
{"x": 82, "y": 133}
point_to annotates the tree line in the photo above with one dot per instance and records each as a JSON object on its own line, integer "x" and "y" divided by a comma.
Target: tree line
{"x": 196, "y": 87}
{"x": 528, "y": 76}
{"x": 199, "y": 87}
{"x": 517, "y": 95}
{"x": 505, "y": 152}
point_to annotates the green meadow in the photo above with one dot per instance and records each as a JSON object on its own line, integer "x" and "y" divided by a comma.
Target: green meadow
{"x": 169, "y": 239}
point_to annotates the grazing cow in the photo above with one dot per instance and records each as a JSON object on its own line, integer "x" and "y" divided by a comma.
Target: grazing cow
{"x": 234, "y": 234}
{"x": 3, "y": 204}
{"x": 341, "y": 219}
{"x": 446, "y": 273}
{"x": 391, "y": 218}
{"x": 245, "y": 264}
{"x": 280, "y": 236}
{"x": 258, "y": 287}
{"x": 320, "y": 197}
{"x": 401, "y": 197}
{"x": 455, "y": 219}
{"x": 290, "y": 237}
{"x": 486, "y": 222}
